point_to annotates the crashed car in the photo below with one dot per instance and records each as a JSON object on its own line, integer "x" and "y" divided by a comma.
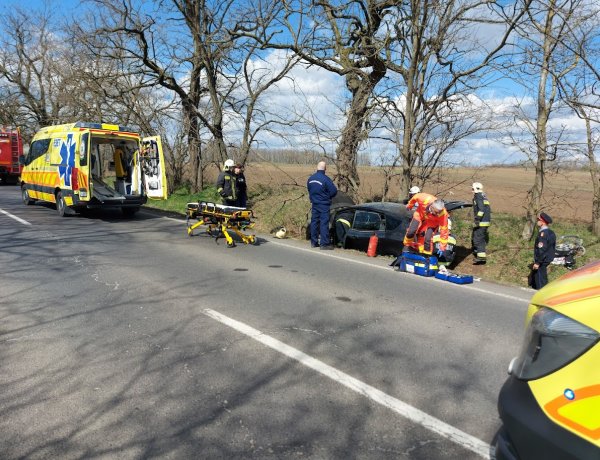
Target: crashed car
{"x": 353, "y": 225}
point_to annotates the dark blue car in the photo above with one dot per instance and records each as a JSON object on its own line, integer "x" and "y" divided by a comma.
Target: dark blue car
{"x": 387, "y": 220}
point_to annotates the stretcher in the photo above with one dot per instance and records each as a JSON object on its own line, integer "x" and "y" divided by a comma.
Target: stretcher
{"x": 220, "y": 220}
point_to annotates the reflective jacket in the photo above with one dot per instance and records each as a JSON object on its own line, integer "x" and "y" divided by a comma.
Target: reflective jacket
{"x": 226, "y": 186}
{"x": 421, "y": 201}
{"x": 482, "y": 212}
{"x": 321, "y": 189}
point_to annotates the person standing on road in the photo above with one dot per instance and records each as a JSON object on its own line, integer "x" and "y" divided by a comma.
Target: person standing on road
{"x": 543, "y": 252}
{"x": 321, "y": 190}
{"x": 482, "y": 214}
{"x": 226, "y": 184}
{"x": 241, "y": 186}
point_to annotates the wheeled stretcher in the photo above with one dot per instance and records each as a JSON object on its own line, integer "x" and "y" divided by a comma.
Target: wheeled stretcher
{"x": 220, "y": 219}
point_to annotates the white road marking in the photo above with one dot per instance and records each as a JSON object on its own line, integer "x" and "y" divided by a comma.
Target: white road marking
{"x": 411, "y": 413}
{"x": 18, "y": 219}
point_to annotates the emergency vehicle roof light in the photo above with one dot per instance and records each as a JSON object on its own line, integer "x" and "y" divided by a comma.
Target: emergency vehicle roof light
{"x": 85, "y": 124}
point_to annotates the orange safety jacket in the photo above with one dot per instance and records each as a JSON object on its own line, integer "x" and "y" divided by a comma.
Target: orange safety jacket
{"x": 426, "y": 220}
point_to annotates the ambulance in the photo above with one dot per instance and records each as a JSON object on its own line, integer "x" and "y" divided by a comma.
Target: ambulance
{"x": 550, "y": 404}
{"x": 80, "y": 166}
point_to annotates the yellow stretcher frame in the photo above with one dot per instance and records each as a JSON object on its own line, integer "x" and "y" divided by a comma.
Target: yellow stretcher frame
{"x": 220, "y": 219}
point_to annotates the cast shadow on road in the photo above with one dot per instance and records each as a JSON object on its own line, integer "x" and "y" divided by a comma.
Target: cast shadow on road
{"x": 141, "y": 372}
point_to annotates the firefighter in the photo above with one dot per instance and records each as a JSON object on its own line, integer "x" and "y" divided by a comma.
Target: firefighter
{"x": 543, "y": 251}
{"x": 482, "y": 215}
{"x": 343, "y": 222}
{"x": 321, "y": 190}
{"x": 412, "y": 192}
{"x": 226, "y": 184}
{"x": 430, "y": 215}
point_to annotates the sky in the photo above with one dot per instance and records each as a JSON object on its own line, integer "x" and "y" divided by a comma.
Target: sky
{"x": 323, "y": 95}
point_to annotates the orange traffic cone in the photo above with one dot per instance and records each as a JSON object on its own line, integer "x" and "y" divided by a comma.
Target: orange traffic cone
{"x": 372, "y": 249}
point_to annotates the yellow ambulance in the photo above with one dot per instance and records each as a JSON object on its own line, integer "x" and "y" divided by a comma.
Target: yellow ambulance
{"x": 85, "y": 165}
{"x": 550, "y": 404}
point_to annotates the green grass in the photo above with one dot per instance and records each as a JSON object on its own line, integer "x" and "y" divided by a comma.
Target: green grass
{"x": 508, "y": 255}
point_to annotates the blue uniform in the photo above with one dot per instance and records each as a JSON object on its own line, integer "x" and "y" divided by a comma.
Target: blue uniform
{"x": 321, "y": 190}
{"x": 543, "y": 254}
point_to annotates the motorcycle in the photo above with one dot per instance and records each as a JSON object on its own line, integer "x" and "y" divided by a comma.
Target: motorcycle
{"x": 567, "y": 247}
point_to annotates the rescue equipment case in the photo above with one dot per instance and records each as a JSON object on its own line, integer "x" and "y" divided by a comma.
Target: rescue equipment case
{"x": 455, "y": 278}
{"x": 418, "y": 264}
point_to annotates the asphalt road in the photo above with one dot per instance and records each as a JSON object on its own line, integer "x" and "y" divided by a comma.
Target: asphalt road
{"x": 125, "y": 338}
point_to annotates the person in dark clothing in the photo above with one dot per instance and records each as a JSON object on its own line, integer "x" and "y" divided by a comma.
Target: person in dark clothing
{"x": 482, "y": 218}
{"x": 321, "y": 190}
{"x": 226, "y": 184}
{"x": 543, "y": 252}
{"x": 343, "y": 222}
{"x": 241, "y": 186}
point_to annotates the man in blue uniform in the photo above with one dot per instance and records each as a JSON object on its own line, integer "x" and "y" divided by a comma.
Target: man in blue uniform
{"x": 543, "y": 252}
{"x": 321, "y": 190}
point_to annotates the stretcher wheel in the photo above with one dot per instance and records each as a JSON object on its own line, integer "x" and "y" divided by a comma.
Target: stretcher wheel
{"x": 190, "y": 231}
{"x": 231, "y": 245}
{"x": 252, "y": 239}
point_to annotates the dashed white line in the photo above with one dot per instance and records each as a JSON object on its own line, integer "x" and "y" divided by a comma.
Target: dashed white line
{"x": 411, "y": 413}
{"x": 18, "y": 219}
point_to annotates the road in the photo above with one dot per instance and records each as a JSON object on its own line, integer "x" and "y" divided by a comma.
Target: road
{"x": 128, "y": 339}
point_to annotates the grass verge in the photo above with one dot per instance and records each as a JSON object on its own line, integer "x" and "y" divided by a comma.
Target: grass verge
{"x": 508, "y": 255}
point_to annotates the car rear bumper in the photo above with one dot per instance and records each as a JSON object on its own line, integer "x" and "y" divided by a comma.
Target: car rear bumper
{"x": 527, "y": 432}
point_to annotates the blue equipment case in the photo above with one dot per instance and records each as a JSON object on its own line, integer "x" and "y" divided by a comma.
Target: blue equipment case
{"x": 418, "y": 264}
{"x": 455, "y": 278}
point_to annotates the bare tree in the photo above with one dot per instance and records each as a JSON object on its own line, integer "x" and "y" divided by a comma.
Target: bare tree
{"x": 363, "y": 40}
{"x": 545, "y": 56}
{"x": 30, "y": 70}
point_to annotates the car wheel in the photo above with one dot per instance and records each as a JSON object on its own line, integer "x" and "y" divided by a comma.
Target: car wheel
{"x": 25, "y": 196}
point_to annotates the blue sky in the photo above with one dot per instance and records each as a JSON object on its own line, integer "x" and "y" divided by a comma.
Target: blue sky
{"x": 325, "y": 92}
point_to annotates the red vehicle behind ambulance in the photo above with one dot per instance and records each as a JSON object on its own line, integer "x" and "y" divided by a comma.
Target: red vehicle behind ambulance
{"x": 11, "y": 147}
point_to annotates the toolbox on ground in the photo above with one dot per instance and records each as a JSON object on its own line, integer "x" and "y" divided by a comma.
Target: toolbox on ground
{"x": 418, "y": 264}
{"x": 455, "y": 278}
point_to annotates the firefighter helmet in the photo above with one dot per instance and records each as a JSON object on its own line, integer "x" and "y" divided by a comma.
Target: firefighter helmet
{"x": 414, "y": 190}
{"x": 477, "y": 187}
{"x": 228, "y": 164}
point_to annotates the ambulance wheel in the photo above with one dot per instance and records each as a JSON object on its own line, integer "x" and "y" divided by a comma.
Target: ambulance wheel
{"x": 25, "y": 195}
{"x": 61, "y": 206}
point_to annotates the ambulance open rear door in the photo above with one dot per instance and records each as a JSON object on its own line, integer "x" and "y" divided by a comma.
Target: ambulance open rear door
{"x": 153, "y": 168}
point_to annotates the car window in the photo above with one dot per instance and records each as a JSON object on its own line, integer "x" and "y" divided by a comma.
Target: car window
{"x": 365, "y": 220}
{"x": 391, "y": 222}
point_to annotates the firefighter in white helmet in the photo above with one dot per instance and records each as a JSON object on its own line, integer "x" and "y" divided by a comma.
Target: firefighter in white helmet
{"x": 226, "y": 184}
{"x": 482, "y": 215}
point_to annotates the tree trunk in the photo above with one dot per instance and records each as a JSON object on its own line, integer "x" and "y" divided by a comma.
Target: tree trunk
{"x": 352, "y": 134}
{"x": 195, "y": 153}
{"x": 541, "y": 140}
{"x": 595, "y": 173}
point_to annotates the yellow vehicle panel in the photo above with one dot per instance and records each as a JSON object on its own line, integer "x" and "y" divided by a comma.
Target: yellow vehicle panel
{"x": 570, "y": 396}
{"x": 582, "y": 413}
